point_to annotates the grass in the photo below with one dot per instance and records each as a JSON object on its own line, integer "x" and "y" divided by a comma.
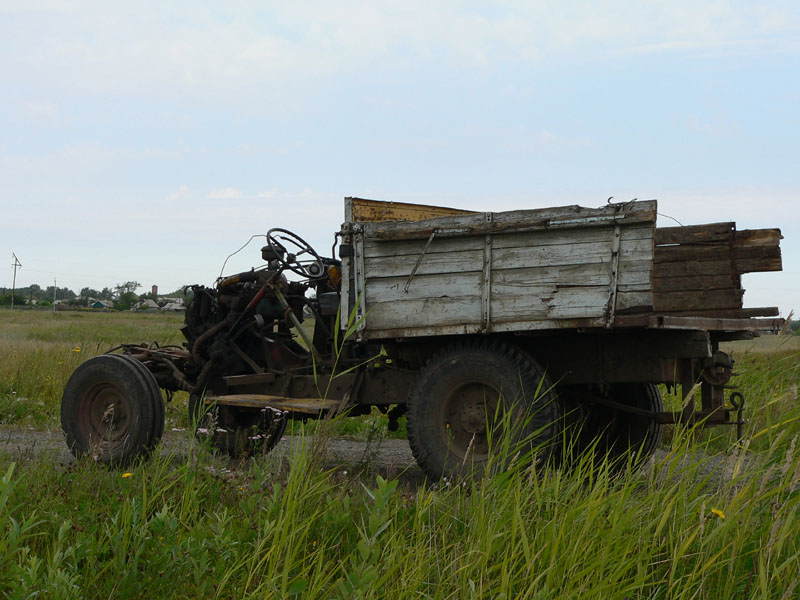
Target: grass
{"x": 194, "y": 527}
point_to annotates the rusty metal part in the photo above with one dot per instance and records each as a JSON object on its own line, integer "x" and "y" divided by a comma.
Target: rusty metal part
{"x": 717, "y": 369}
{"x": 104, "y": 413}
{"x": 198, "y": 343}
{"x": 468, "y": 409}
{"x": 737, "y": 401}
{"x": 293, "y": 318}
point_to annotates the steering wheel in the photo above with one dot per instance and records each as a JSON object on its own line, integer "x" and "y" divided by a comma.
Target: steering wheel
{"x": 288, "y": 247}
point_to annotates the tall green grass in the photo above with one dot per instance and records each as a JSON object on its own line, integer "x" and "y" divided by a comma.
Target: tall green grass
{"x": 195, "y": 529}
{"x": 41, "y": 349}
{"x": 703, "y": 519}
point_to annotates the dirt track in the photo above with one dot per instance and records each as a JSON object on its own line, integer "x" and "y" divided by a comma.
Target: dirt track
{"x": 388, "y": 457}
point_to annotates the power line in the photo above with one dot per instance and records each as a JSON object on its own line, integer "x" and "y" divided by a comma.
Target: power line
{"x": 16, "y": 264}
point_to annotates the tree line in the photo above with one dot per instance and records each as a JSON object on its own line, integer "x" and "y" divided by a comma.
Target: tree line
{"x": 123, "y": 295}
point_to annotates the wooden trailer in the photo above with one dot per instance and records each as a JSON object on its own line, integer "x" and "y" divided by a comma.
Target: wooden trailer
{"x": 599, "y": 297}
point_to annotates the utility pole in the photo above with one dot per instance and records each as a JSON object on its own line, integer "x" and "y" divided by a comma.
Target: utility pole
{"x": 54, "y": 294}
{"x": 15, "y": 264}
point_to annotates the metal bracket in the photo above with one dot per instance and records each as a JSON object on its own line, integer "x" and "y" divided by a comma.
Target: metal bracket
{"x": 612, "y": 298}
{"x": 737, "y": 401}
{"x": 419, "y": 260}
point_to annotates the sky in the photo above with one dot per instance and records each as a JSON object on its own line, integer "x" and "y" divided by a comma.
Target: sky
{"x": 147, "y": 141}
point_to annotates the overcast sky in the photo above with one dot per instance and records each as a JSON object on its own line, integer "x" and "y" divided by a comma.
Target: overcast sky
{"x": 147, "y": 141}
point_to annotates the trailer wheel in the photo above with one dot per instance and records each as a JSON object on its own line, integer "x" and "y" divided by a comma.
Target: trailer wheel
{"x": 236, "y": 431}
{"x": 109, "y": 410}
{"x": 611, "y": 432}
{"x": 462, "y": 397}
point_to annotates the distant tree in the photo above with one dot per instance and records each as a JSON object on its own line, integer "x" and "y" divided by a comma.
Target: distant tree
{"x": 5, "y": 300}
{"x": 125, "y": 294}
{"x": 126, "y": 288}
{"x": 106, "y": 294}
{"x": 62, "y": 293}
{"x": 35, "y": 292}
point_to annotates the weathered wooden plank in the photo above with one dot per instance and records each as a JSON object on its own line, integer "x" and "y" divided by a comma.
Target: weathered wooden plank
{"x": 664, "y": 254}
{"x": 732, "y": 313}
{"x": 703, "y": 299}
{"x": 758, "y": 265}
{"x": 711, "y": 324}
{"x": 634, "y": 301}
{"x": 424, "y": 312}
{"x": 711, "y": 232}
{"x": 554, "y": 302}
{"x": 521, "y": 220}
{"x": 757, "y": 237}
{"x": 464, "y": 329}
{"x": 633, "y": 272}
{"x": 362, "y": 210}
{"x": 695, "y": 282}
{"x": 579, "y": 253}
{"x": 377, "y": 248}
{"x": 390, "y": 289}
{"x": 690, "y": 268}
{"x": 571, "y": 236}
{"x": 456, "y": 262}
{"x": 504, "y": 258}
{"x": 301, "y": 405}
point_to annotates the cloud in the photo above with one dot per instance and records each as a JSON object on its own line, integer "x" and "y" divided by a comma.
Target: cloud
{"x": 229, "y": 193}
{"x": 182, "y": 193}
{"x": 278, "y": 52}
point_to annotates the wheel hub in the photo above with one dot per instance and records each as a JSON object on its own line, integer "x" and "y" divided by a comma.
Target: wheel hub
{"x": 469, "y": 408}
{"x": 105, "y": 414}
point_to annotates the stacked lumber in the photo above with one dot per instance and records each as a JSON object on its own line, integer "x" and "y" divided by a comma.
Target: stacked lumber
{"x": 697, "y": 269}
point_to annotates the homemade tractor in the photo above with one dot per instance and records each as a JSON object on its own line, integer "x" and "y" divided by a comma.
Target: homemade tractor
{"x": 543, "y": 325}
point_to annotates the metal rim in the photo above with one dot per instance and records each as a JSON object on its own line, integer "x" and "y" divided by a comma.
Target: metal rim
{"x": 104, "y": 414}
{"x": 469, "y": 412}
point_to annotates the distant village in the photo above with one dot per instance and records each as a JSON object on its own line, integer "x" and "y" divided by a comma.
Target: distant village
{"x": 121, "y": 297}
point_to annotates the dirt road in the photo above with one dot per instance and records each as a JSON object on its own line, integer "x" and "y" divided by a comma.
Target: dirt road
{"x": 387, "y": 457}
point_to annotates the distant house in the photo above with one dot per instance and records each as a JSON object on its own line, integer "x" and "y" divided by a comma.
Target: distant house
{"x": 147, "y": 304}
{"x": 100, "y": 303}
{"x": 168, "y": 300}
{"x": 176, "y": 306}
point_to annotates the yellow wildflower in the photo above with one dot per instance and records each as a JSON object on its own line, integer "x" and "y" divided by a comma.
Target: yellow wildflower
{"x": 76, "y": 349}
{"x": 718, "y": 512}
{"x": 127, "y": 474}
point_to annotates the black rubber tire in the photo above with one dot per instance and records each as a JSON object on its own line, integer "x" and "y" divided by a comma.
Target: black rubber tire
{"x": 236, "y": 431}
{"x": 461, "y": 390}
{"x": 156, "y": 398}
{"x": 106, "y": 386}
{"x": 610, "y": 432}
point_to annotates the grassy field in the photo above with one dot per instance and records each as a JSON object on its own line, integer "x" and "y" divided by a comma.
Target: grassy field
{"x": 706, "y": 519}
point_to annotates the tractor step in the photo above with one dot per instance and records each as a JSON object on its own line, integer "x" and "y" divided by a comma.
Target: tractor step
{"x": 309, "y": 406}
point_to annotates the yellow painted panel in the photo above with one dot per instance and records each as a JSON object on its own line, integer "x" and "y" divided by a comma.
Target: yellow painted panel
{"x": 377, "y": 210}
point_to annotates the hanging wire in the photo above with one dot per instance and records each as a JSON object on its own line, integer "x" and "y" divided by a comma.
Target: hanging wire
{"x": 673, "y": 218}
{"x": 252, "y": 237}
